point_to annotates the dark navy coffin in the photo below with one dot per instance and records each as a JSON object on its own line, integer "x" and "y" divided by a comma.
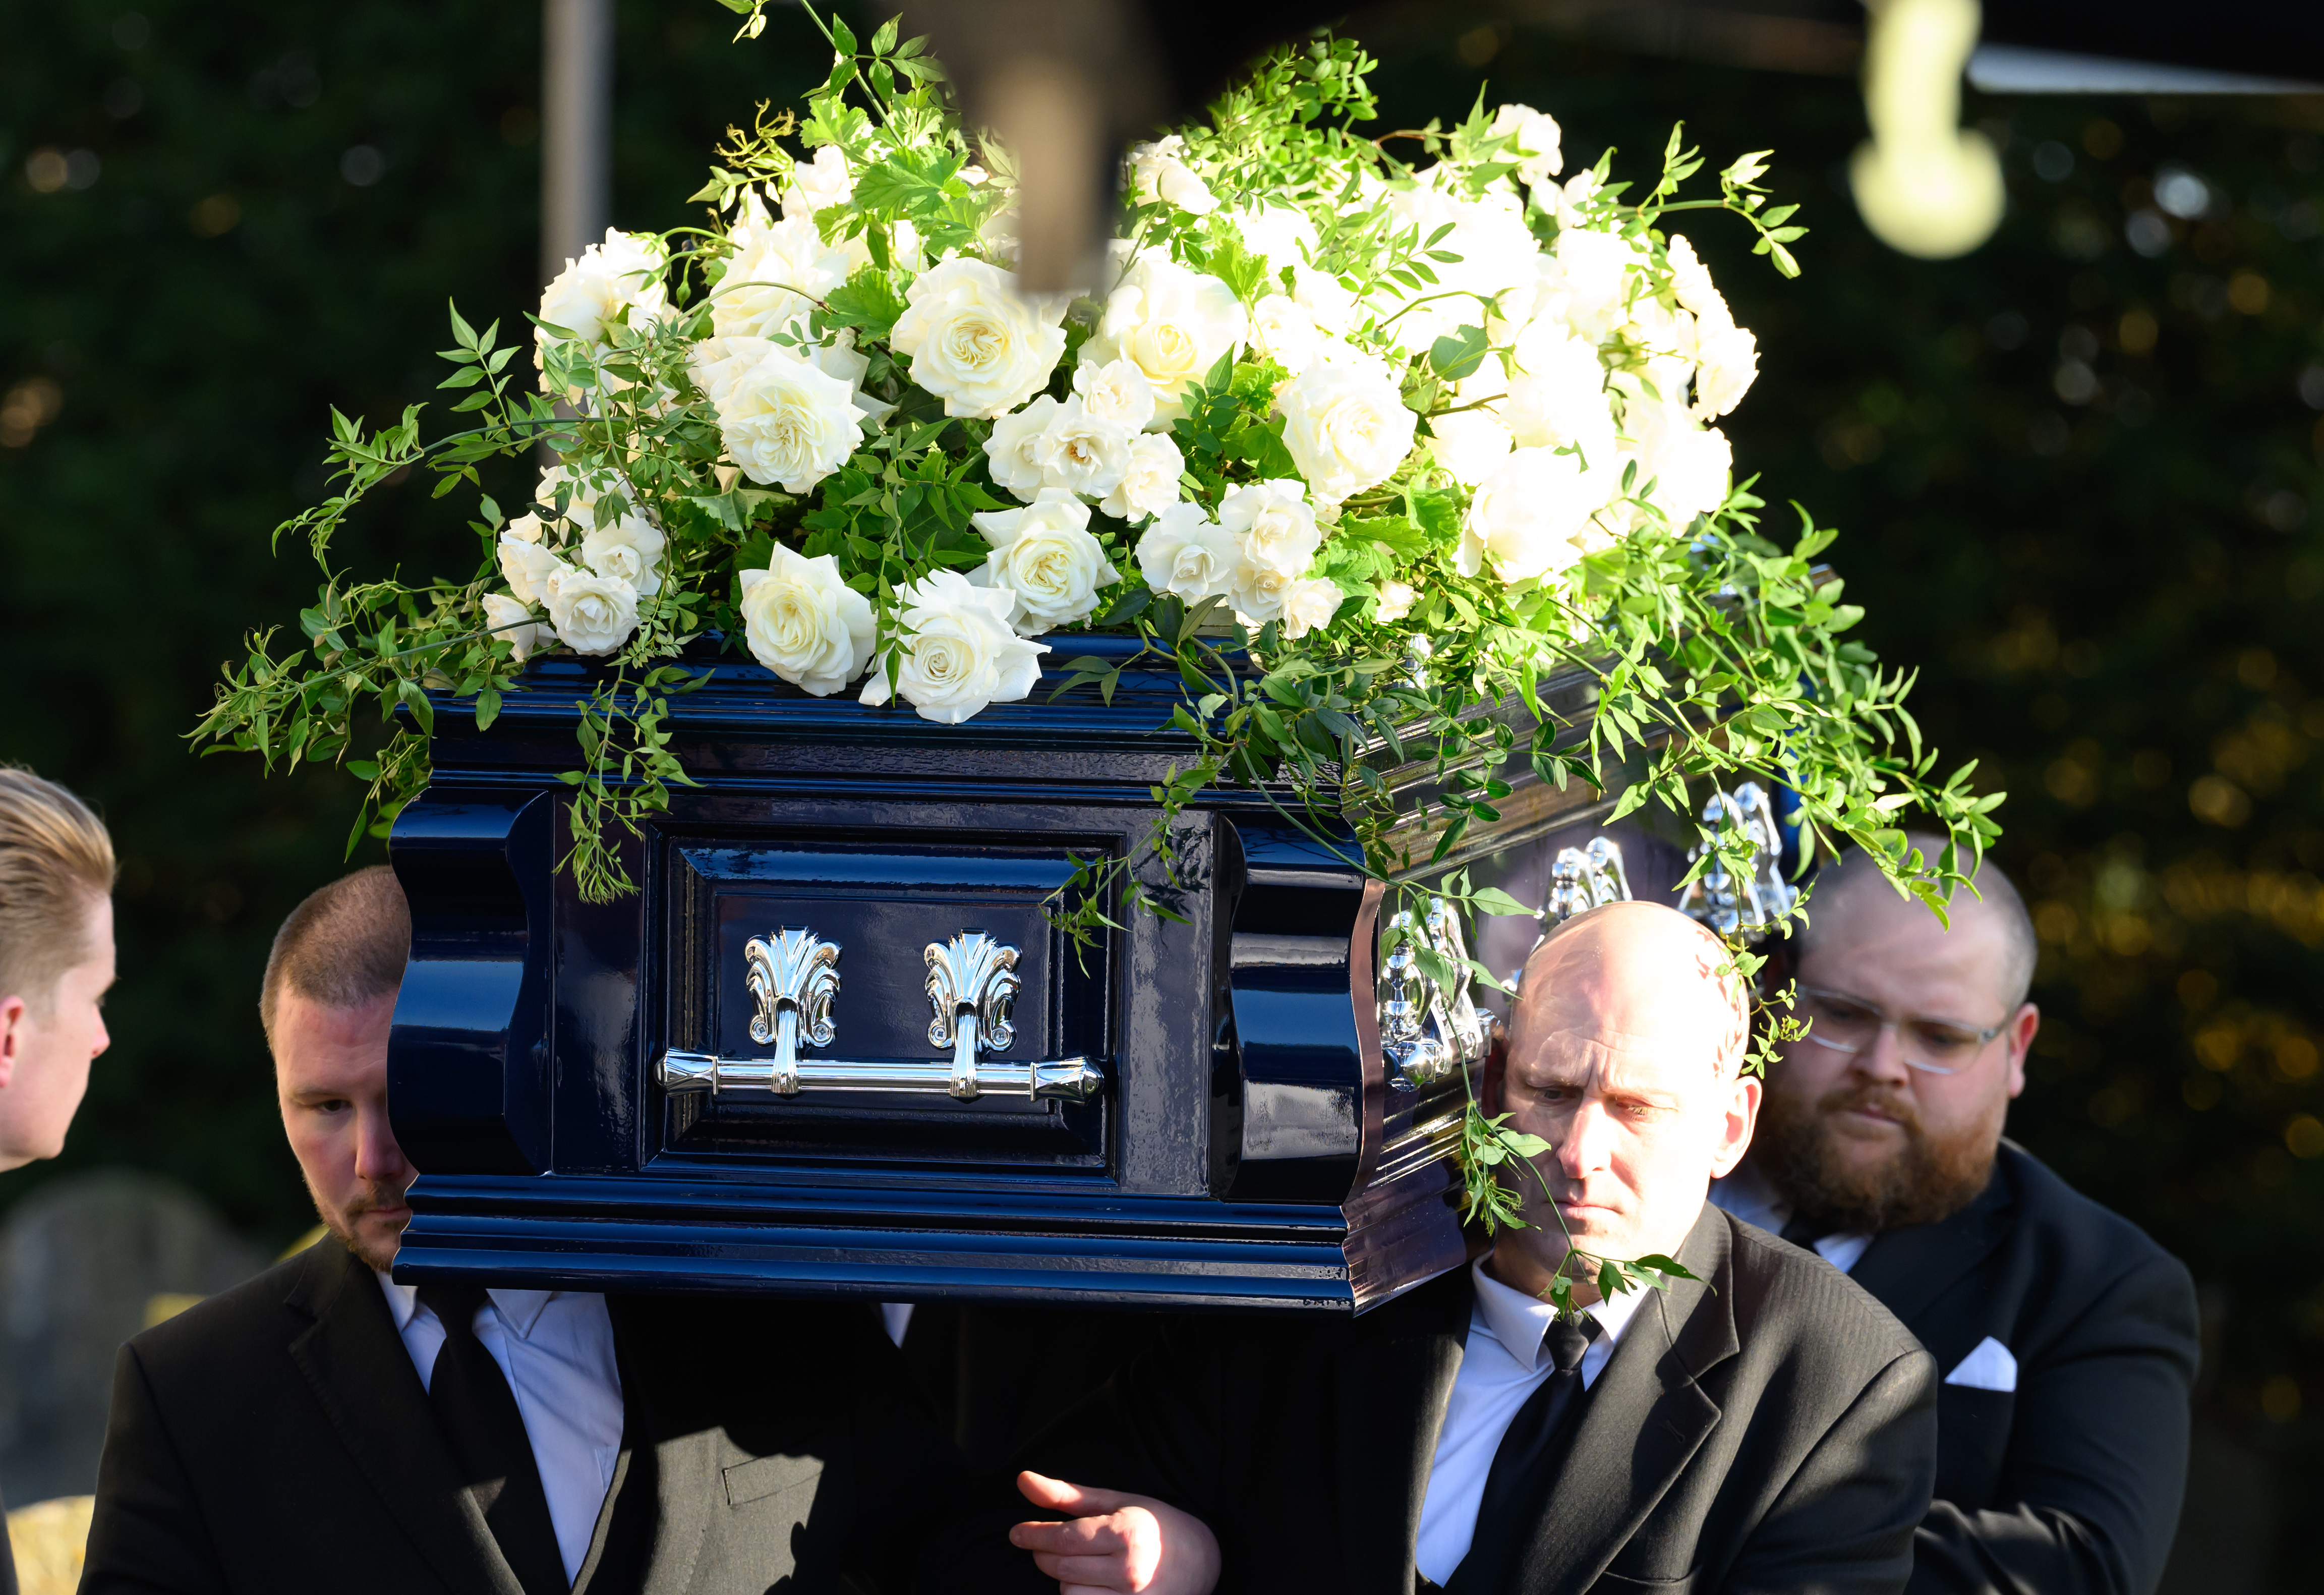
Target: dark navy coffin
{"x": 752, "y": 1075}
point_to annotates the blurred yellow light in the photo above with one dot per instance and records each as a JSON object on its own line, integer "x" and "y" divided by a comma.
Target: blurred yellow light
{"x": 1926, "y": 186}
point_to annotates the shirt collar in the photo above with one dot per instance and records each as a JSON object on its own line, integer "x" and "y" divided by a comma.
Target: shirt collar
{"x": 1519, "y": 1321}
{"x": 1752, "y": 1197}
{"x": 519, "y": 1310}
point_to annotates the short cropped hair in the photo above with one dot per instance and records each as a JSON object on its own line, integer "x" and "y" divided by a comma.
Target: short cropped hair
{"x": 344, "y": 946}
{"x": 1856, "y": 869}
{"x": 55, "y": 861}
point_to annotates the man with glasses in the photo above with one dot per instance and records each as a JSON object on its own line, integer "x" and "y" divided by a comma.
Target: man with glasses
{"x": 2067, "y": 1338}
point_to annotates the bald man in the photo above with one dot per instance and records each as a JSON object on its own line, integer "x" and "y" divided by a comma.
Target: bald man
{"x": 2067, "y": 1338}
{"x": 1764, "y": 1427}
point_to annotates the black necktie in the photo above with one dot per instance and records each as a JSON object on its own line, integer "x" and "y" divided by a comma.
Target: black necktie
{"x": 479, "y": 1412}
{"x": 1523, "y": 1465}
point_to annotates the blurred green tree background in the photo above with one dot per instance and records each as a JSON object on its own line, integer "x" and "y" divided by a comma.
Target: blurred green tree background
{"x": 2077, "y": 474}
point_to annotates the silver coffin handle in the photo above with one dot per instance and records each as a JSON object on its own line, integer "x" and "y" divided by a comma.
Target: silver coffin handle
{"x": 1069, "y": 1080}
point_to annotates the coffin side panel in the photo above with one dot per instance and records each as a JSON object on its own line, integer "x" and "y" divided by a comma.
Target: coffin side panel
{"x": 467, "y": 1068}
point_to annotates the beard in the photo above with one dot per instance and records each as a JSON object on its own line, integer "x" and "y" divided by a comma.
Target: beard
{"x": 344, "y": 1223}
{"x": 1799, "y": 1148}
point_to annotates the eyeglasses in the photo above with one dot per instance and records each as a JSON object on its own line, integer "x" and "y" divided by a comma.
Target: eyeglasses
{"x": 1846, "y": 1025}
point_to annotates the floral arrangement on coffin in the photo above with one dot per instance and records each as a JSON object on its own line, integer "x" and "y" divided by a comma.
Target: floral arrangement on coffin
{"x": 1407, "y": 423}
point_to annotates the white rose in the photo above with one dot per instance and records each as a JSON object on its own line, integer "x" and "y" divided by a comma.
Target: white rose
{"x": 841, "y": 359}
{"x": 1174, "y": 323}
{"x": 1083, "y": 452}
{"x": 1186, "y": 553}
{"x": 631, "y": 549}
{"x": 1150, "y": 484}
{"x": 1310, "y": 606}
{"x": 805, "y": 623}
{"x": 1014, "y": 447}
{"x": 506, "y": 617}
{"x": 1730, "y": 362}
{"x": 776, "y": 273}
{"x": 1535, "y": 148}
{"x": 1284, "y": 331}
{"x": 1558, "y": 397}
{"x": 960, "y": 653}
{"x": 1346, "y": 426}
{"x": 1115, "y": 391}
{"x": 592, "y": 613}
{"x": 1281, "y": 236}
{"x": 1272, "y": 525}
{"x": 525, "y": 564}
{"x": 1396, "y": 601}
{"x": 1469, "y": 445}
{"x": 1571, "y": 202}
{"x": 1682, "y": 465}
{"x": 1326, "y": 298}
{"x": 558, "y": 482}
{"x": 1596, "y": 268}
{"x": 621, "y": 277}
{"x": 1690, "y": 282}
{"x": 785, "y": 421}
{"x": 973, "y": 341}
{"x": 1158, "y": 170}
{"x": 1258, "y": 594}
{"x": 1045, "y": 556}
{"x": 1526, "y": 515}
{"x": 1498, "y": 256}
{"x": 818, "y": 185}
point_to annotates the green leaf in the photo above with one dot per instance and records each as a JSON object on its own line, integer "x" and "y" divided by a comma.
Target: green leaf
{"x": 1458, "y": 353}
{"x": 1492, "y": 899}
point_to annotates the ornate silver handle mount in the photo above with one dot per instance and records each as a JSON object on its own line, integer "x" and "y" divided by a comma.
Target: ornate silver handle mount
{"x": 1752, "y": 900}
{"x": 793, "y": 978}
{"x": 1427, "y": 1031}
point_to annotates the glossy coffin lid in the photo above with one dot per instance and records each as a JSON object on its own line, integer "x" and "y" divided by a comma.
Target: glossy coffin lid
{"x": 1244, "y": 1148}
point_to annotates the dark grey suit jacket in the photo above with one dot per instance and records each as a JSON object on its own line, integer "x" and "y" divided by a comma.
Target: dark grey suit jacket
{"x": 278, "y": 1438}
{"x": 1772, "y": 1429}
{"x": 2070, "y": 1484}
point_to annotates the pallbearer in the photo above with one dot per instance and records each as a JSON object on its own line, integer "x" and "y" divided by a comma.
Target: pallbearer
{"x": 56, "y": 965}
{"x": 1763, "y": 1425}
{"x": 2067, "y": 1338}
{"x": 323, "y": 1427}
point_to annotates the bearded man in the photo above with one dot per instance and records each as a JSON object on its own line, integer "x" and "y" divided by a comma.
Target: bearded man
{"x": 2067, "y": 1338}
{"x": 1762, "y": 1427}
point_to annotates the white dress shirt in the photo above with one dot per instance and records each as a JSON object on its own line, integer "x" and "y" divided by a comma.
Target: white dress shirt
{"x": 1503, "y": 1364}
{"x": 556, "y": 1350}
{"x": 1748, "y": 1196}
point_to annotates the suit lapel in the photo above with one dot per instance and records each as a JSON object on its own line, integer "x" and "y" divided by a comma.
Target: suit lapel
{"x": 658, "y": 1507}
{"x": 1908, "y": 1268}
{"x": 1389, "y": 1389}
{"x": 1645, "y": 1419}
{"x": 357, "y": 1365}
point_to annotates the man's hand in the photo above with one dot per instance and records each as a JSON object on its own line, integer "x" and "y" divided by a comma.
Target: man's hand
{"x": 1119, "y": 1545}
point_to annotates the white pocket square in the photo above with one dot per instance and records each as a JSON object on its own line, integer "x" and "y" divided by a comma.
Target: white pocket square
{"x": 1988, "y": 1368}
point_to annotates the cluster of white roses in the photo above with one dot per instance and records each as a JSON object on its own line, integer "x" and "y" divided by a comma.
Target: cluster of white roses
{"x": 1609, "y": 360}
{"x": 587, "y": 578}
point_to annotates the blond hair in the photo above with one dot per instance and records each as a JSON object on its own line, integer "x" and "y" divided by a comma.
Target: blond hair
{"x": 344, "y": 946}
{"x": 55, "y": 861}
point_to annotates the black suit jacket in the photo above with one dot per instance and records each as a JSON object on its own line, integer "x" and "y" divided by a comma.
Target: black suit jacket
{"x": 2070, "y": 1484}
{"x": 1772, "y": 1429}
{"x": 278, "y": 1438}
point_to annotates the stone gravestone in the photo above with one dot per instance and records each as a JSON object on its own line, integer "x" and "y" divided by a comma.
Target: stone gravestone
{"x": 87, "y": 1261}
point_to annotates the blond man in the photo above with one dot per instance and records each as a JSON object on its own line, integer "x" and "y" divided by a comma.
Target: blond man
{"x": 56, "y": 960}
{"x": 56, "y": 963}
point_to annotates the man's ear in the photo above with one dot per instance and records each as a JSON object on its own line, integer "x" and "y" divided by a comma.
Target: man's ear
{"x": 1742, "y": 1116}
{"x": 2024, "y": 1026}
{"x": 12, "y": 1038}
